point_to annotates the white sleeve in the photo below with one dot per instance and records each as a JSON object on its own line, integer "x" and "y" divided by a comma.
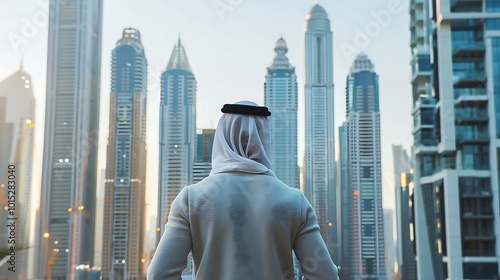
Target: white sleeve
{"x": 310, "y": 249}
{"x": 171, "y": 254}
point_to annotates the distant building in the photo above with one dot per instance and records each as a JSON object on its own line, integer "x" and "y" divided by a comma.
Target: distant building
{"x": 69, "y": 171}
{"x": 390, "y": 257}
{"x": 177, "y": 132}
{"x": 99, "y": 220}
{"x": 125, "y": 185}
{"x": 17, "y": 120}
{"x": 343, "y": 207}
{"x": 203, "y": 163}
{"x": 319, "y": 173}
{"x": 367, "y": 244}
{"x": 405, "y": 253}
{"x": 280, "y": 96}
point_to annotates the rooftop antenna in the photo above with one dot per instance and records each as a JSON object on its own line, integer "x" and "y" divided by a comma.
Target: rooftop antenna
{"x": 21, "y": 62}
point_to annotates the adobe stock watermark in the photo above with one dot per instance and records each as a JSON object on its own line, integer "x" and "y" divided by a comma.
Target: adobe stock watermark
{"x": 372, "y": 29}
{"x": 30, "y": 26}
{"x": 222, "y": 7}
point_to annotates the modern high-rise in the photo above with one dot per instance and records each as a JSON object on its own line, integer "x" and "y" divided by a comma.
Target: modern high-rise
{"x": 319, "y": 174}
{"x": 365, "y": 171}
{"x": 405, "y": 253}
{"x": 280, "y": 96}
{"x": 390, "y": 252}
{"x": 69, "y": 171}
{"x": 203, "y": 163}
{"x": 17, "y": 120}
{"x": 456, "y": 199}
{"x": 343, "y": 206}
{"x": 177, "y": 131}
{"x": 125, "y": 183}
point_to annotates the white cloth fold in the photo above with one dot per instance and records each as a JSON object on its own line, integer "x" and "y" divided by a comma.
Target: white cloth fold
{"x": 242, "y": 143}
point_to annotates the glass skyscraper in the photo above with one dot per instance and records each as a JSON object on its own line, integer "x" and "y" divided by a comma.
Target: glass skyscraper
{"x": 17, "y": 112}
{"x": 319, "y": 174}
{"x": 280, "y": 96}
{"x": 177, "y": 131}
{"x": 69, "y": 171}
{"x": 203, "y": 163}
{"x": 343, "y": 206}
{"x": 456, "y": 95}
{"x": 403, "y": 171}
{"x": 125, "y": 190}
{"x": 365, "y": 172}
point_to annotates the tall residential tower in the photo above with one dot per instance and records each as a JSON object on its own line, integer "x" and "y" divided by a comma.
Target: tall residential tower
{"x": 456, "y": 198}
{"x": 365, "y": 171}
{"x": 177, "y": 131}
{"x": 319, "y": 174}
{"x": 124, "y": 206}
{"x": 280, "y": 97}
{"x": 69, "y": 172}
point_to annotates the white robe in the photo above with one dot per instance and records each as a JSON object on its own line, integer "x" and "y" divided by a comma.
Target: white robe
{"x": 241, "y": 222}
{"x": 241, "y": 226}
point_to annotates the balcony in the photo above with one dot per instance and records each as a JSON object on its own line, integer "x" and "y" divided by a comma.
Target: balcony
{"x": 468, "y": 48}
{"x": 420, "y": 72}
{"x": 459, "y": 92}
{"x": 477, "y": 213}
{"x": 470, "y": 116}
{"x": 476, "y": 193}
{"x": 474, "y": 234}
{"x": 469, "y": 5}
{"x": 467, "y": 137}
{"x": 469, "y": 79}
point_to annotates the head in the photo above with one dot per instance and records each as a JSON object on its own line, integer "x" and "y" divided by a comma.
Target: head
{"x": 242, "y": 140}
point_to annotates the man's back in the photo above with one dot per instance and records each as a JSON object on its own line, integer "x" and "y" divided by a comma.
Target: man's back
{"x": 241, "y": 222}
{"x": 244, "y": 226}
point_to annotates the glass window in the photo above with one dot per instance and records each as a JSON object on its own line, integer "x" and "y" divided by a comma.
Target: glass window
{"x": 493, "y": 24}
{"x": 480, "y": 270}
{"x": 496, "y": 79}
{"x": 475, "y": 157}
{"x": 492, "y": 5}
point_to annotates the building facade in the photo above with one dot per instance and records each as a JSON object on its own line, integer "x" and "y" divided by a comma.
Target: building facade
{"x": 365, "y": 172}
{"x": 69, "y": 171}
{"x": 343, "y": 206}
{"x": 177, "y": 132}
{"x": 203, "y": 163}
{"x": 125, "y": 183}
{"x": 456, "y": 199}
{"x": 319, "y": 173}
{"x": 17, "y": 121}
{"x": 405, "y": 253}
{"x": 280, "y": 96}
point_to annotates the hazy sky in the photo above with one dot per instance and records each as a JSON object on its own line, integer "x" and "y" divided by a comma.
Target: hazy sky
{"x": 229, "y": 44}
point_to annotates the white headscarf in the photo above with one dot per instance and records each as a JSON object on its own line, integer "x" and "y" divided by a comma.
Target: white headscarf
{"x": 242, "y": 143}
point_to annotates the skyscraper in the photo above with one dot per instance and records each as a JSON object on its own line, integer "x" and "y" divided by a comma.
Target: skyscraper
{"x": 390, "y": 252}
{"x": 17, "y": 112}
{"x": 365, "y": 171}
{"x": 124, "y": 206}
{"x": 456, "y": 195}
{"x": 405, "y": 255}
{"x": 69, "y": 172}
{"x": 177, "y": 131}
{"x": 319, "y": 175}
{"x": 203, "y": 163}
{"x": 281, "y": 98}
{"x": 343, "y": 207}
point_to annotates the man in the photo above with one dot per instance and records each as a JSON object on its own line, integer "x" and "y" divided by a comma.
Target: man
{"x": 241, "y": 222}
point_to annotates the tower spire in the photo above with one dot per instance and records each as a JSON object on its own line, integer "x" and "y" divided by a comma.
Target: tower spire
{"x": 21, "y": 62}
